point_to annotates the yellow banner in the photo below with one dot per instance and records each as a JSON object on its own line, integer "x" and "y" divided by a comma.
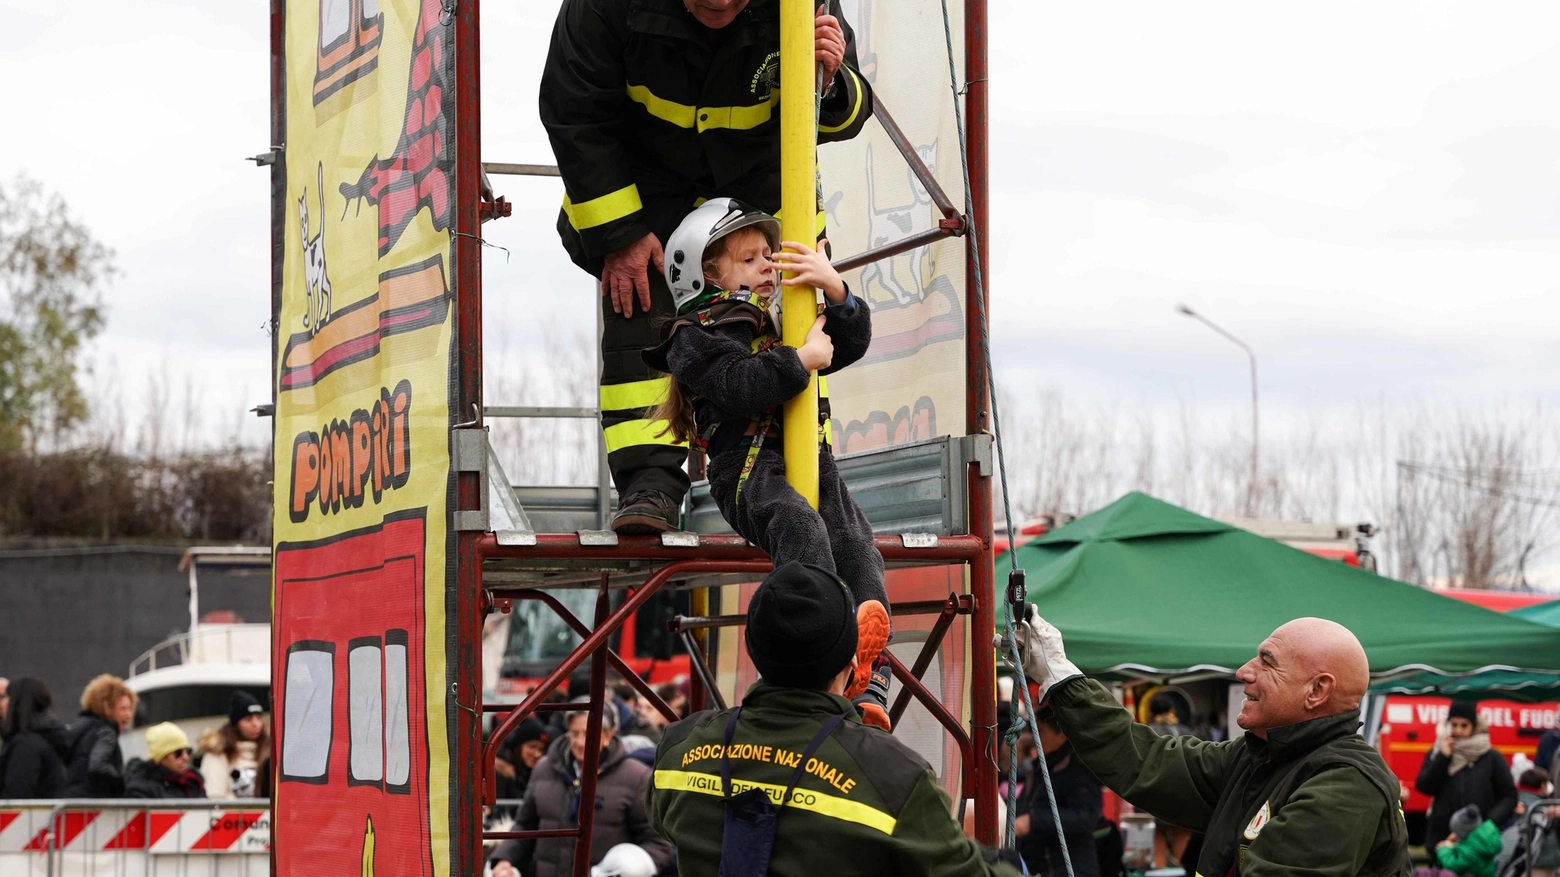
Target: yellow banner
{"x": 910, "y": 385}
{"x": 361, "y": 646}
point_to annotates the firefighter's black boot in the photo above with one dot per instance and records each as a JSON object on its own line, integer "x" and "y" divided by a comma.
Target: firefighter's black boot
{"x": 647, "y": 511}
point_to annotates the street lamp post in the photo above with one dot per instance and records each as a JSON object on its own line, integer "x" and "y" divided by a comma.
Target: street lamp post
{"x": 1251, "y": 488}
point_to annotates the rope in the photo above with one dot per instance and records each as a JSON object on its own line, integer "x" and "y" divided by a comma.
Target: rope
{"x": 1009, "y": 640}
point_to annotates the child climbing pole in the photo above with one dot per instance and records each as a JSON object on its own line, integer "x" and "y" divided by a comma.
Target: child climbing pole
{"x": 731, "y": 377}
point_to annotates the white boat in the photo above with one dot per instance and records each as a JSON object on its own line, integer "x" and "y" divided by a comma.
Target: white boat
{"x": 188, "y": 678}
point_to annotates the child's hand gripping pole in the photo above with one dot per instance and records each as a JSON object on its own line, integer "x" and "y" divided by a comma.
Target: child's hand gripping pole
{"x": 798, "y": 208}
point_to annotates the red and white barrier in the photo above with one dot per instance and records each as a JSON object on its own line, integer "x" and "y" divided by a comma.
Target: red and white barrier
{"x": 94, "y": 838}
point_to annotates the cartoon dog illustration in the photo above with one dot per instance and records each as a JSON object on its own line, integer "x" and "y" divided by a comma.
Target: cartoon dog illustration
{"x": 317, "y": 309}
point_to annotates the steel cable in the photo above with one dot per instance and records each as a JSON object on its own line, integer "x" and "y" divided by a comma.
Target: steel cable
{"x": 1009, "y": 640}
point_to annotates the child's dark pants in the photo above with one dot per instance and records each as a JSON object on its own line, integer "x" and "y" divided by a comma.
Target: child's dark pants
{"x": 773, "y": 516}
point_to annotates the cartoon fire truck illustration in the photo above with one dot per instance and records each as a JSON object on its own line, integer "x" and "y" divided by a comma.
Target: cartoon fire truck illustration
{"x": 350, "y": 711}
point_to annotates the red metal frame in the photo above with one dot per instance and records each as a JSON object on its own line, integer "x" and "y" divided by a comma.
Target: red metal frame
{"x": 598, "y": 638}
{"x": 465, "y": 607}
{"x": 953, "y": 607}
{"x": 983, "y": 660}
{"x": 714, "y": 554}
{"x": 579, "y": 627}
{"x": 595, "y": 647}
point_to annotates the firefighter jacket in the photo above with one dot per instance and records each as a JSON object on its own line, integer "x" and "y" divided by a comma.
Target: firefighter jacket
{"x": 1313, "y": 798}
{"x": 649, "y": 113}
{"x": 866, "y": 804}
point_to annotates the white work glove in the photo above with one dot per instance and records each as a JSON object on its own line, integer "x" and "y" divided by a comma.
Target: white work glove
{"x": 1045, "y": 659}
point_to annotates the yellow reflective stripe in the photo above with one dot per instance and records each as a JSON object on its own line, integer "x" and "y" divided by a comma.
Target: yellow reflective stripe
{"x": 639, "y": 432}
{"x": 802, "y": 799}
{"x": 738, "y": 118}
{"x": 684, "y": 116}
{"x": 600, "y": 211}
{"x": 854, "y": 110}
{"x": 635, "y": 394}
{"x": 678, "y": 114}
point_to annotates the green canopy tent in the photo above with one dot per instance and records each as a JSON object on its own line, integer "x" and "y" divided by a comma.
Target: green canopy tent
{"x": 1519, "y": 685}
{"x": 1543, "y": 613}
{"x": 1143, "y": 589}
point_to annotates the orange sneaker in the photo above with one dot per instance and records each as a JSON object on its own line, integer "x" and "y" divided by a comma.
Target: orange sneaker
{"x": 874, "y": 715}
{"x": 872, "y": 629}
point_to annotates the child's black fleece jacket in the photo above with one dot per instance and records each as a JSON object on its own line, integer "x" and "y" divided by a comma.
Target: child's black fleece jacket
{"x": 731, "y": 384}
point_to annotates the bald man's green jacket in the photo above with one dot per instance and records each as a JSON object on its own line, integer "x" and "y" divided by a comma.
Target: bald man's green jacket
{"x": 1313, "y": 798}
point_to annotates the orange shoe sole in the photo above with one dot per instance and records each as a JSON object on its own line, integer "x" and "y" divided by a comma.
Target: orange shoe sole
{"x": 876, "y": 716}
{"x": 871, "y": 638}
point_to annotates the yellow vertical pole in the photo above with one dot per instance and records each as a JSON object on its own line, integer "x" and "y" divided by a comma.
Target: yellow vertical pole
{"x": 798, "y": 211}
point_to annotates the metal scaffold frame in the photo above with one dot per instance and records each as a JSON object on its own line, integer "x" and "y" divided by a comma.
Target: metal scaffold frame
{"x": 663, "y": 560}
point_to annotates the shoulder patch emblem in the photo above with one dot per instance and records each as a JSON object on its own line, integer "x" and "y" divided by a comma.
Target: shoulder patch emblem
{"x": 767, "y": 77}
{"x": 1254, "y": 827}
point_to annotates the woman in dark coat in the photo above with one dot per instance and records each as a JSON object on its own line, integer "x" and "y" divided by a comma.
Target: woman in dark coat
{"x": 1461, "y": 769}
{"x": 32, "y": 757}
{"x": 1079, "y": 802}
{"x": 96, "y": 768}
{"x": 552, "y": 801}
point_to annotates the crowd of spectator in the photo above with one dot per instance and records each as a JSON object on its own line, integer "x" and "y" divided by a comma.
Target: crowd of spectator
{"x": 1472, "y": 829}
{"x": 538, "y": 781}
{"x": 42, "y": 757}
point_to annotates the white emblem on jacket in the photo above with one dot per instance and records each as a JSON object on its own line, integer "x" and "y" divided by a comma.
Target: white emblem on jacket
{"x": 1254, "y": 827}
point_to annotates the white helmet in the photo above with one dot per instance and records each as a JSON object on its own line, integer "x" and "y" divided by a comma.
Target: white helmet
{"x": 709, "y": 222}
{"x": 625, "y": 860}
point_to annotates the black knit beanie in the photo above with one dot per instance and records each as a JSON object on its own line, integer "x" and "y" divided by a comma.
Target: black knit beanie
{"x": 241, "y": 704}
{"x": 801, "y": 626}
{"x": 529, "y": 729}
{"x": 1464, "y": 709}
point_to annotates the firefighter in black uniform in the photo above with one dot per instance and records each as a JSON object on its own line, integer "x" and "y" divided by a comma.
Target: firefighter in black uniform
{"x": 652, "y": 107}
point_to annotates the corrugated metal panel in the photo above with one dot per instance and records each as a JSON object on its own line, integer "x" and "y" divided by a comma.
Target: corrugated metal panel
{"x": 914, "y": 488}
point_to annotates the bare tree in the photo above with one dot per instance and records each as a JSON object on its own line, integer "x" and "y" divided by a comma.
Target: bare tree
{"x": 1477, "y": 499}
{"x": 1472, "y": 502}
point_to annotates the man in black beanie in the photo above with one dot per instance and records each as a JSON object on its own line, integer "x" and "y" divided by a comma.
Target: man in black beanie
{"x": 813, "y": 790}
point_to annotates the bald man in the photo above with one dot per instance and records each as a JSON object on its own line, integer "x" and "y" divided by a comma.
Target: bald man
{"x": 1299, "y": 793}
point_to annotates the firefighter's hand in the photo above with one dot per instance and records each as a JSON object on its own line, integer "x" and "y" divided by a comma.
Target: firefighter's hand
{"x": 818, "y": 350}
{"x": 626, "y": 273}
{"x": 502, "y": 868}
{"x": 829, "y": 39}
{"x": 1045, "y": 659}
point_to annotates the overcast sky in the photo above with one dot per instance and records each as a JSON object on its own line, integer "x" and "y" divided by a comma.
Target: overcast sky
{"x": 1369, "y": 194}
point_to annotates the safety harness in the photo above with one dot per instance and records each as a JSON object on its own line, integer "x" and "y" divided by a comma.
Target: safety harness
{"x": 743, "y": 306}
